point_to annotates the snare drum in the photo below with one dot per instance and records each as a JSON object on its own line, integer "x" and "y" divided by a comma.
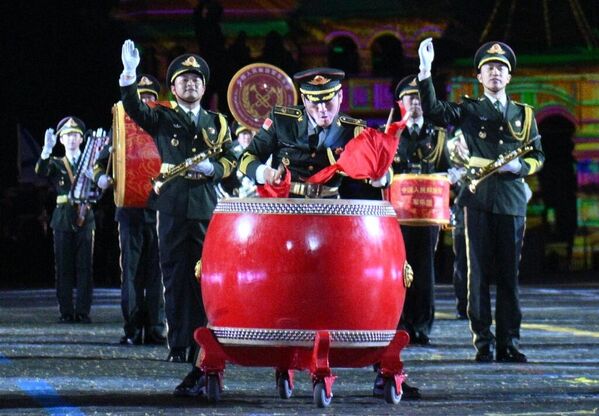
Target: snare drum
{"x": 420, "y": 199}
{"x": 135, "y": 161}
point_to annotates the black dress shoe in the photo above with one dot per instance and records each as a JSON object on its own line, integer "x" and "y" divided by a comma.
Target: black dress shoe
{"x": 510, "y": 355}
{"x": 420, "y": 339}
{"x": 484, "y": 354}
{"x": 132, "y": 339}
{"x": 153, "y": 338}
{"x": 176, "y": 355}
{"x": 408, "y": 392}
{"x": 193, "y": 385}
{"x": 66, "y": 318}
{"x": 83, "y": 318}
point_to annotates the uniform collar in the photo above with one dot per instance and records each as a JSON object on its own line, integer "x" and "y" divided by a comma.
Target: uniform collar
{"x": 502, "y": 99}
{"x": 195, "y": 111}
{"x": 418, "y": 121}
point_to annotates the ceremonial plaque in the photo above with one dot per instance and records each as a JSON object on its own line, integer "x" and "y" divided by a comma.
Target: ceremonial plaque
{"x": 255, "y": 89}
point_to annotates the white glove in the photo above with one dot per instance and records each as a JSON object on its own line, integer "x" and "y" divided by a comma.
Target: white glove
{"x": 205, "y": 167}
{"x": 513, "y": 167}
{"x": 455, "y": 174}
{"x": 49, "y": 143}
{"x": 527, "y": 192}
{"x": 426, "y": 52}
{"x": 380, "y": 182}
{"x": 99, "y": 132}
{"x": 130, "y": 58}
{"x": 104, "y": 181}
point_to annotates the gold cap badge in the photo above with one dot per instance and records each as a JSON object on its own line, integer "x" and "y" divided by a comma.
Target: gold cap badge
{"x": 496, "y": 49}
{"x": 319, "y": 80}
{"x": 191, "y": 61}
{"x": 144, "y": 81}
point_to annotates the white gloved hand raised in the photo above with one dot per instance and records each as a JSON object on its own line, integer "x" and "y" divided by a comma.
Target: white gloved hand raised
{"x": 205, "y": 167}
{"x": 426, "y": 52}
{"x": 49, "y": 143}
{"x": 130, "y": 58}
{"x": 49, "y": 140}
{"x": 455, "y": 174}
{"x": 513, "y": 166}
{"x": 104, "y": 181}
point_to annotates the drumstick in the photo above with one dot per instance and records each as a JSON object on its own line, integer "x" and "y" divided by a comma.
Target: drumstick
{"x": 389, "y": 119}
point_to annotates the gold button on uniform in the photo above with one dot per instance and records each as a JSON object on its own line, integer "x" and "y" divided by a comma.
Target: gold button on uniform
{"x": 313, "y": 154}
{"x": 500, "y": 141}
{"x": 310, "y": 168}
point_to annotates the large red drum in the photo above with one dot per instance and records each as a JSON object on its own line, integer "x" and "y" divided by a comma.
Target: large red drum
{"x": 135, "y": 160}
{"x": 275, "y": 271}
{"x": 420, "y": 199}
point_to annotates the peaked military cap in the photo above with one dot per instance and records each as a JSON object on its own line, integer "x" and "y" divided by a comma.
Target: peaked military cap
{"x": 495, "y": 51}
{"x": 147, "y": 84}
{"x": 239, "y": 128}
{"x": 407, "y": 85}
{"x": 319, "y": 84}
{"x": 188, "y": 62}
{"x": 70, "y": 124}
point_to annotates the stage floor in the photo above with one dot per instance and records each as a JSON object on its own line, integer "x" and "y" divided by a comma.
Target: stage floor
{"x": 51, "y": 368}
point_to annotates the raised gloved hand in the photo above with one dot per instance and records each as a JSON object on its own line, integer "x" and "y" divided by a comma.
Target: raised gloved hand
{"x": 205, "y": 167}
{"x": 130, "y": 58}
{"x": 49, "y": 141}
{"x": 426, "y": 52}
{"x": 455, "y": 174}
{"x": 104, "y": 181}
{"x": 513, "y": 166}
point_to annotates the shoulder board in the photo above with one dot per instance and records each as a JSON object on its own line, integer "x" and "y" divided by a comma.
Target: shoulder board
{"x": 287, "y": 111}
{"x": 522, "y": 104}
{"x": 216, "y": 113}
{"x": 467, "y": 98}
{"x": 440, "y": 129}
{"x": 352, "y": 121}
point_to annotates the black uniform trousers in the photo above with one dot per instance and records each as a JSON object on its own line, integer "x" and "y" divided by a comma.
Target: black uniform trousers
{"x": 142, "y": 291}
{"x": 180, "y": 242}
{"x": 73, "y": 257}
{"x": 460, "y": 261}
{"x": 419, "y": 306}
{"x": 494, "y": 244}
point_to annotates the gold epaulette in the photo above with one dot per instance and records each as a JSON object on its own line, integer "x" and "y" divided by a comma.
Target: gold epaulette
{"x": 468, "y": 98}
{"x": 523, "y": 104}
{"x": 287, "y": 111}
{"x": 352, "y": 121}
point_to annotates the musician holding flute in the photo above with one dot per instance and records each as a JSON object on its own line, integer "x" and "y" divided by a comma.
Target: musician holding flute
{"x": 73, "y": 229}
{"x": 181, "y": 131}
{"x": 495, "y": 212}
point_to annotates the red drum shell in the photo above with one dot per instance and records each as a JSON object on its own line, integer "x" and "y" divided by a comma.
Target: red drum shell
{"x": 135, "y": 161}
{"x": 420, "y": 199}
{"x": 287, "y": 267}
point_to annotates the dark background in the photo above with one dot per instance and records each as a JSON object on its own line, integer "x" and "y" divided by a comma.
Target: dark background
{"x": 63, "y": 58}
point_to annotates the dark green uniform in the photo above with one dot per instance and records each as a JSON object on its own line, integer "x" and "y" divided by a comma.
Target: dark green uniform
{"x": 420, "y": 151}
{"x": 495, "y": 214}
{"x": 73, "y": 245}
{"x": 288, "y": 136}
{"x": 142, "y": 290}
{"x": 184, "y": 206}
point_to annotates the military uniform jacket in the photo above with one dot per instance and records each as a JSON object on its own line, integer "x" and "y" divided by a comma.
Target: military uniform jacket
{"x": 425, "y": 151}
{"x": 177, "y": 139}
{"x": 489, "y": 134}
{"x": 284, "y": 134}
{"x": 65, "y": 213}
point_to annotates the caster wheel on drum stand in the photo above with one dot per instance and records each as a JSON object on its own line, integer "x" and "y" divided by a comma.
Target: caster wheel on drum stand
{"x": 284, "y": 387}
{"x": 390, "y": 394}
{"x": 213, "y": 388}
{"x": 320, "y": 396}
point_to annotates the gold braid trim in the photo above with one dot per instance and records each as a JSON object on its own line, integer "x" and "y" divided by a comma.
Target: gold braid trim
{"x": 528, "y": 118}
{"x": 435, "y": 156}
{"x": 246, "y": 159}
